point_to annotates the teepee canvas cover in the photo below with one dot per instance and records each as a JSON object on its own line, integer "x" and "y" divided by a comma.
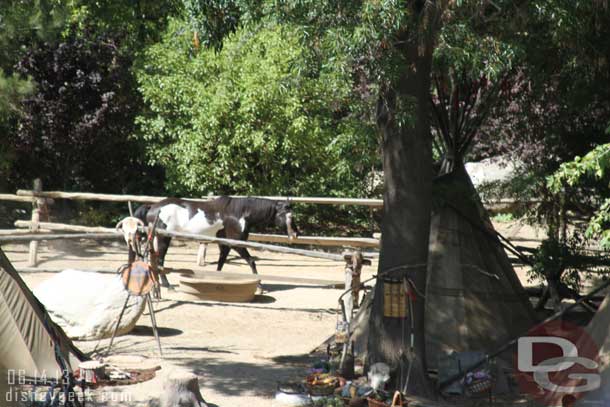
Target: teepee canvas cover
{"x": 599, "y": 330}
{"x": 31, "y": 345}
{"x": 474, "y": 300}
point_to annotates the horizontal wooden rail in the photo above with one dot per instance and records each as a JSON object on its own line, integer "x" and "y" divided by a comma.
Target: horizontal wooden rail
{"x": 13, "y": 232}
{"x": 302, "y": 240}
{"x": 16, "y": 198}
{"x": 88, "y": 196}
{"x": 27, "y": 195}
{"x": 188, "y": 236}
{"x": 253, "y": 245}
{"x": 35, "y": 237}
{"x": 63, "y": 227}
{"x": 317, "y": 240}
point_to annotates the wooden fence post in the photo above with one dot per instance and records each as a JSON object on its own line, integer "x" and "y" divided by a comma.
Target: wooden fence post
{"x": 203, "y": 249}
{"x": 37, "y": 204}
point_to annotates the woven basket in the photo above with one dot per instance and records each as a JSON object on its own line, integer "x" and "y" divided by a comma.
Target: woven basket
{"x": 321, "y": 389}
{"x": 397, "y": 401}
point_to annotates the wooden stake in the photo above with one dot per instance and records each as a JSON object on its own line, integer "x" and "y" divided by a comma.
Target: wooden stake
{"x": 34, "y": 226}
{"x": 203, "y": 248}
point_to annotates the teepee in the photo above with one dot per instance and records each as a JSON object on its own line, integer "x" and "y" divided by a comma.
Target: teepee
{"x": 474, "y": 300}
{"x": 32, "y": 347}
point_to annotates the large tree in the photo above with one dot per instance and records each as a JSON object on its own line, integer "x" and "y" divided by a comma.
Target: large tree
{"x": 404, "y": 122}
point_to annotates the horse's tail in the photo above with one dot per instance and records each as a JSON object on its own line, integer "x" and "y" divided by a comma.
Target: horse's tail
{"x": 141, "y": 212}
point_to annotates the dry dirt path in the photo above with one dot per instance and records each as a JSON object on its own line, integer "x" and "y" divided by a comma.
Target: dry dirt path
{"x": 239, "y": 351}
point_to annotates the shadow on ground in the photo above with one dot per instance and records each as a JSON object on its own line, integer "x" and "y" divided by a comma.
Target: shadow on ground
{"x": 235, "y": 378}
{"x": 143, "y": 330}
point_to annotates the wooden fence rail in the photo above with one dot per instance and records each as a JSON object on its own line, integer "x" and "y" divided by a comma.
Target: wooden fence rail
{"x": 186, "y": 236}
{"x": 39, "y": 200}
{"x": 16, "y": 198}
{"x": 87, "y": 196}
{"x": 257, "y": 237}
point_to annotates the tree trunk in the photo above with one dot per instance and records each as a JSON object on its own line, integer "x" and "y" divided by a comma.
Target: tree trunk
{"x": 407, "y": 164}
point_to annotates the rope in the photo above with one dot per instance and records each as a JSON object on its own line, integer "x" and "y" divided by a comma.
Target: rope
{"x": 480, "y": 270}
{"x": 403, "y": 267}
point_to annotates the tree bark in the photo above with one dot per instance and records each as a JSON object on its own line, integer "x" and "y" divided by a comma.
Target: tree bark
{"x": 407, "y": 164}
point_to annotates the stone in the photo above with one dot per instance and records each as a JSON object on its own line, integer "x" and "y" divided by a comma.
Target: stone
{"x": 181, "y": 388}
{"x": 492, "y": 170}
{"x": 87, "y": 304}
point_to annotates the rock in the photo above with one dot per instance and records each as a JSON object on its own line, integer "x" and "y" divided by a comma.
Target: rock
{"x": 492, "y": 170}
{"x": 87, "y": 305}
{"x": 181, "y": 389}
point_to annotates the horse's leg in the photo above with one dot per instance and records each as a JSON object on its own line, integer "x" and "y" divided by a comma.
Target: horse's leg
{"x": 224, "y": 252}
{"x": 163, "y": 243}
{"x": 243, "y": 252}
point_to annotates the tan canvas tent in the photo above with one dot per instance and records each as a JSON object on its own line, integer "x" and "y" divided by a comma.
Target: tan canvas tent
{"x": 32, "y": 347}
{"x": 474, "y": 299}
{"x": 599, "y": 330}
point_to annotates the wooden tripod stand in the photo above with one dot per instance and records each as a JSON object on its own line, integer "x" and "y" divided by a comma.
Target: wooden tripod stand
{"x": 140, "y": 278}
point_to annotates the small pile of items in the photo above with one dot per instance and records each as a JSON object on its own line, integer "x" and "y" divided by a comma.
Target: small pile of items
{"x": 96, "y": 373}
{"x": 325, "y": 386}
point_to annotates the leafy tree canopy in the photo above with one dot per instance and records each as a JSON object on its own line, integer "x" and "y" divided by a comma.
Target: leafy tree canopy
{"x": 264, "y": 115}
{"x": 77, "y": 121}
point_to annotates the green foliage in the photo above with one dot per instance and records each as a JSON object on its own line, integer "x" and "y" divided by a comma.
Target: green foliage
{"x": 464, "y": 50}
{"x": 329, "y": 402}
{"x": 139, "y": 22}
{"x": 21, "y": 21}
{"x": 554, "y": 258}
{"x": 265, "y": 115}
{"x": 594, "y": 164}
{"x": 503, "y": 217}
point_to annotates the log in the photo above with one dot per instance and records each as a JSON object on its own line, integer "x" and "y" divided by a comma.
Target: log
{"x": 256, "y": 237}
{"x": 151, "y": 199}
{"x": 63, "y": 227}
{"x": 252, "y": 245}
{"x": 63, "y": 236}
{"x": 88, "y": 196}
{"x": 317, "y": 240}
{"x": 60, "y": 269}
{"x": 12, "y": 232}
{"x": 187, "y": 236}
{"x": 15, "y": 198}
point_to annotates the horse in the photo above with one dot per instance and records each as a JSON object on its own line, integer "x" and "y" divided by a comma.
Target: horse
{"x": 223, "y": 217}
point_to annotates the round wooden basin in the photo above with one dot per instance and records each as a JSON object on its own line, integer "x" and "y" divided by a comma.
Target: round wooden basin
{"x": 229, "y": 289}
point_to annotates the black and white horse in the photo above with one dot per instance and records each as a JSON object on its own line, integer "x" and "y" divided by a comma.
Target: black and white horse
{"x": 224, "y": 216}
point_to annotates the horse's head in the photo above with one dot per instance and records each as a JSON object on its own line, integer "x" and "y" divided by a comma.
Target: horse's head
{"x": 284, "y": 219}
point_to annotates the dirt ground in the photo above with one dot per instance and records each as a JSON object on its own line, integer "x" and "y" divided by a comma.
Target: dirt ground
{"x": 238, "y": 350}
